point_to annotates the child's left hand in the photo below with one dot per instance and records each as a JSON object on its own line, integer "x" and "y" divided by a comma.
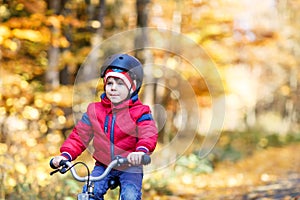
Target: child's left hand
{"x": 135, "y": 158}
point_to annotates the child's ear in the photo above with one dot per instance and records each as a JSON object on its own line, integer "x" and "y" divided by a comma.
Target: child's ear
{"x": 104, "y": 82}
{"x": 134, "y": 83}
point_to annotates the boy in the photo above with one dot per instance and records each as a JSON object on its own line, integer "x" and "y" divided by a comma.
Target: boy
{"x": 120, "y": 125}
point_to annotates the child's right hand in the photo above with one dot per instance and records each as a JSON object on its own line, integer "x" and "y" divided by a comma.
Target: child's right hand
{"x": 56, "y": 160}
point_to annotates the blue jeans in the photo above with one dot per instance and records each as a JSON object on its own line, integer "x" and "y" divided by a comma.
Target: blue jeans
{"x": 130, "y": 182}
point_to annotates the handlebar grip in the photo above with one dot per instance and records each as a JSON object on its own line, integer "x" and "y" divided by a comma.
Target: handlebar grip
{"x": 146, "y": 159}
{"x": 52, "y": 165}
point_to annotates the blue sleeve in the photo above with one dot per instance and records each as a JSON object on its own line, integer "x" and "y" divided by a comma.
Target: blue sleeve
{"x": 85, "y": 119}
{"x": 145, "y": 117}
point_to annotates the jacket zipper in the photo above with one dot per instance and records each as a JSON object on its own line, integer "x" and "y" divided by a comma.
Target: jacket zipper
{"x": 106, "y": 124}
{"x": 112, "y": 145}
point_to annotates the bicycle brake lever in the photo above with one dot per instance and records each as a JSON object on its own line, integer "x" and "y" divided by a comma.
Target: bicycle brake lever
{"x": 64, "y": 167}
{"x": 53, "y": 172}
{"x": 63, "y": 170}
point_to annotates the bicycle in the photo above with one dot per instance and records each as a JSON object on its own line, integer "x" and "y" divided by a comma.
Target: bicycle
{"x": 88, "y": 194}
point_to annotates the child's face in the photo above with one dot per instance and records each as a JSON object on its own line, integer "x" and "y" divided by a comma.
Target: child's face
{"x": 116, "y": 90}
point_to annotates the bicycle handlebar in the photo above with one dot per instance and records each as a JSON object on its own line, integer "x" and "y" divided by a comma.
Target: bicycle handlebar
{"x": 67, "y": 165}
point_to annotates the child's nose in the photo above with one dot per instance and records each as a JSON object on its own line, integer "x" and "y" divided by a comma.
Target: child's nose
{"x": 113, "y": 86}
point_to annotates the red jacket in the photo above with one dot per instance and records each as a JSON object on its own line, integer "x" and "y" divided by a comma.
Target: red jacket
{"x": 115, "y": 130}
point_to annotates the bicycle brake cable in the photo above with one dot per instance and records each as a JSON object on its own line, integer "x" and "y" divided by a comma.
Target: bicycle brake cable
{"x": 87, "y": 168}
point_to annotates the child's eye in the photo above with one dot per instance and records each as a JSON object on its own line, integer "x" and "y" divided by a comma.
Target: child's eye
{"x": 109, "y": 83}
{"x": 120, "y": 82}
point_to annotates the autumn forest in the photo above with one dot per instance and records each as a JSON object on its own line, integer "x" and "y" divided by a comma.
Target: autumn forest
{"x": 221, "y": 77}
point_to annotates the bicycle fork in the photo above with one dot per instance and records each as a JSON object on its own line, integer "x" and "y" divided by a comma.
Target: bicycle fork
{"x": 88, "y": 194}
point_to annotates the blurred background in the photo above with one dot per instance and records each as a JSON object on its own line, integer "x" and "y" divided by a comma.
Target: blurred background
{"x": 255, "y": 46}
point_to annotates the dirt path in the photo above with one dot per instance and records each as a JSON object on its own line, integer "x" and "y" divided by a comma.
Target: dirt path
{"x": 276, "y": 172}
{"x": 273, "y": 173}
{"x": 288, "y": 188}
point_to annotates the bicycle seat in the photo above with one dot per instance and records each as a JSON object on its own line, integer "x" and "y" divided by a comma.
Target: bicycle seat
{"x": 113, "y": 183}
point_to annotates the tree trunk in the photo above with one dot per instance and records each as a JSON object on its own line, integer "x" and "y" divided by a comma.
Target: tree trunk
{"x": 52, "y": 73}
{"x": 65, "y": 76}
{"x": 95, "y": 16}
{"x": 144, "y": 55}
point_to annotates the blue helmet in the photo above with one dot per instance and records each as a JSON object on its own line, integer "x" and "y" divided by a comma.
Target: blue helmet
{"x": 127, "y": 63}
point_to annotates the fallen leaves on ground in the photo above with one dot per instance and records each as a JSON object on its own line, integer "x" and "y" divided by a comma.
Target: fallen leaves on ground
{"x": 272, "y": 173}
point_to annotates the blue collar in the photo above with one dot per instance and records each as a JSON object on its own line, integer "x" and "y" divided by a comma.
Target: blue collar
{"x": 134, "y": 97}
